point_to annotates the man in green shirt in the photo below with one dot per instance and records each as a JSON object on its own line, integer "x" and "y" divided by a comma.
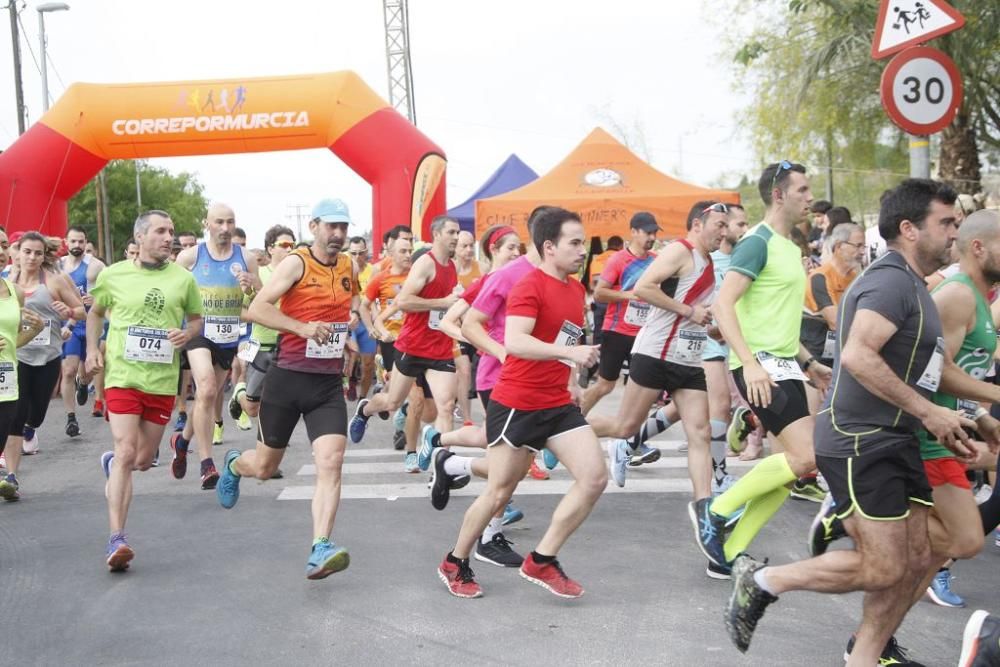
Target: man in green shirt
{"x": 148, "y": 300}
{"x": 759, "y": 312}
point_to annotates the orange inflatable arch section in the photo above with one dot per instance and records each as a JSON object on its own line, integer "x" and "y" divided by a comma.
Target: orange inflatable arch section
{"x": 93, "y": 123}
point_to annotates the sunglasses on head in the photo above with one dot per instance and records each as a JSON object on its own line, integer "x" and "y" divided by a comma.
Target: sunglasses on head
{"x": 784, "y": 165}
{"x": 718, "y": 207}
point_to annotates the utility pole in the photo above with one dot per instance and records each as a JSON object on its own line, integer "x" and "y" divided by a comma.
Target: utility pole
{"x": 18, "y": 89}
{"x": 109, "y": 246}
{"x": 138, "y": 186}
{"x": 298, "y": 215}
{"x": 397, "y": 55}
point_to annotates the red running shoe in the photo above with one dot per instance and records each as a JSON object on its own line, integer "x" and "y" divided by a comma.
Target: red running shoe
{"x": 537, "y": 473}
{"x": 209, "y": 478}
{"x": 551, "y": 577}
{"x": 98, "y": 410}
{"x": 459, "y": 578}
{"x": 179, "y": 464}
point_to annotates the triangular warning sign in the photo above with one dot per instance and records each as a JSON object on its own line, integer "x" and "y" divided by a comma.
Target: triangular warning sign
{"x": 903, "y": 23}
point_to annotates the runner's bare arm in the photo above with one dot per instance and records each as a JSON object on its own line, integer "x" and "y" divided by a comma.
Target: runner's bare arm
{"x": 604, "y": 294}
{"x": 519, "y": 342}
{"x": 451, "y": 323}
{"x": 673, "y": 260}
{"x": 421, "y": 274}
{"x": 95, "y": 327}
{"x": 187, "y": 257}
{"x": 474, "y": 331}
{"x": 66, "y": 292}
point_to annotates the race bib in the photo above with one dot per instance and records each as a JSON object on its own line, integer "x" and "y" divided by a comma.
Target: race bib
{"x": 568, "y": 336}
{"x": 8, "y": 379}
{"x": 830, "y": 346}
{"x": 434, "y": 319}
{"x": 968, "y": 408}
{"x": 148, "y": 345}
{"x": 222, "y": 329}
{"x": 637, "y": 313}
{"x": 930, "y": 379}
{"x": 332, "y": 349}
{"x": 244, "y": 329}
{"x": 690, "y": 345}
{"x": 249, "y": 351}
{"x": 43, "y": 337}
{"x": 780, "y": 369}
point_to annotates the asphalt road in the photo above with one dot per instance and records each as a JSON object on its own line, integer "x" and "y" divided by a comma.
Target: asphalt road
{"x": 228, "y": 587}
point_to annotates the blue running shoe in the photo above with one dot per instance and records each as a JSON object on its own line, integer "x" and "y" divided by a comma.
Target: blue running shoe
{"x": 228, "y": 488}
{"x": 618, "y": 457}
{"x": 359, "y": 422}
{"x": 410, "y": 462}
{"x": 940, "y": 591}
{"x": 119, "y": 553}
{"x": 399, "y": 419}
{"x": 106, "y": 459}
{"x": 426, "y": 451}
{"x": 182, "y": 420}
{"x": 325, "y": 559}
{"x": 511, "y": 514}
{"x": 709, "y": 529}
{"x": 550, "y": 459}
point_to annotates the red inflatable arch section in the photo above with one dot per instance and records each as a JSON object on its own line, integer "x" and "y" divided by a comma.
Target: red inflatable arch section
{"x": 92, "y": 124}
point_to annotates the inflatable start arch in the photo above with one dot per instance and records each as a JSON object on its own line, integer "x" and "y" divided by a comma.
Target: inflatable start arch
{"x": 92, "y": 124}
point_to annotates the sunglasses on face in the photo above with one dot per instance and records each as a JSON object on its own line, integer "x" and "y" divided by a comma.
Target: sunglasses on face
{"x": 784, "y": 165}
{"x": 287, "y": 245}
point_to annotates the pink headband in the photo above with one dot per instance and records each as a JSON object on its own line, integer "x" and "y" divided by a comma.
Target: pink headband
{"x": 499, "y": 234}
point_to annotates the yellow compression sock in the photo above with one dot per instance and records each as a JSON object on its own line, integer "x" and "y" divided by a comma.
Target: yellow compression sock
{"x": 771, "y": 473}
{"x": 758, "y": 512}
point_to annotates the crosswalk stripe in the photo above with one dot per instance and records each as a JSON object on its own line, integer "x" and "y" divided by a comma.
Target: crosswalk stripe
{"x": 667, "y": 463}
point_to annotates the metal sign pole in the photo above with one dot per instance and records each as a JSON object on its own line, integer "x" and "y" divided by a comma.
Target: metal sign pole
{"x": 920, "y": 156}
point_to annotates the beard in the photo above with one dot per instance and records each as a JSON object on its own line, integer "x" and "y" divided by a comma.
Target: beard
{"x": 76, "y": 252}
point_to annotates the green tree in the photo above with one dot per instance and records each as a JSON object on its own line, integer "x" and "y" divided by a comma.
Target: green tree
{"x": 807, "y": 67}
{"x": 181, "y": 195}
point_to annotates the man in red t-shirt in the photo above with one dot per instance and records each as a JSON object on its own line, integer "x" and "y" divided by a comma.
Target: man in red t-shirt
{"x": 423, "y": 350}
{"x": 534, "y": 405}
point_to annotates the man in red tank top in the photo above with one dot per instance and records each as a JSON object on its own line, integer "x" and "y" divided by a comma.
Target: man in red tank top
{"x": 429, "y": 291}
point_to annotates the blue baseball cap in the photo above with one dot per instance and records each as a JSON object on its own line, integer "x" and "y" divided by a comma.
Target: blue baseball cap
{"x": 331, "y": 210}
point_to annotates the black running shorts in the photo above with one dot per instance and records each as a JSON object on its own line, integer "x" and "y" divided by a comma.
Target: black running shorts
{"x": 388, "y": 352}
{"x": 616, "y": 348}
{"x": 412, "y": 366}
{"x": 879, "y": 485}
{"x": 288, "y": 395}
{"x": 222, "y": 357}
{"x": 653, "y": 373}
{"x": 788, "y": 403}
{"x": 530, "y": 428}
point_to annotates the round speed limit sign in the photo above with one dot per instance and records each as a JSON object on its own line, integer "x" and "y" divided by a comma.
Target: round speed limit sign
{"x": 921, "y": 90}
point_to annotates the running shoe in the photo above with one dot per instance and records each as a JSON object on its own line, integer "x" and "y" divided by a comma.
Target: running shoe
{"x": 551, "y": 461}
{"x": 410, "y": 462}
{"x": 399, "y": 418}
{"x": 106, "y": 459}
{"x": 740, "y": 427}
{"x": 179, "y": 464}
{"x": 511, "y": 514}
{"x": 228, "y": 488}
{"x": 119, "y": 553}
{"x": 498, "y": 552}
{"x": 399, "y": 441}
{"x": 426, "y": 451}
{"x": 9, "y": 488}
{"x": 182, "y": 420}
{"x": 156, "y": 458}
{"x": 3, "y": 461}
{"x": 30, "y": 444}
{"x": 618, "y": 458}
{"x": 209, "y": 478}
{"x": 683, "y": 448}
{"x": 98, "y": 410}
{"x": 808, "y": 488}
{"x": 893, "y": 654}
{"x": 534, "y": 472}
{"x": 826, "y": 528}
{"x": 709, "y": 530}
{"x": 981, "y": 641}
{"x": 551, "y": 577}
{"x": 459, "y": 578}
{"x": 721, "y": 572}
{"x": 352, "y": 390}
{"x": 720, "y": 486}
{"x": 646, "y": 454}
{"x": 72, "y": 426}
{"x": 746, "y": 603}
{"x": 440, "y": 480}
{"x": 326, "y": 558}
{"x": 235, "y": 409}
{"x": 82, "y": 392}
{"x": 244, "y": 423}
{"x": 217, "y": 434}
{"x": 359, "y": 422}
{"x": 940, "y": 591}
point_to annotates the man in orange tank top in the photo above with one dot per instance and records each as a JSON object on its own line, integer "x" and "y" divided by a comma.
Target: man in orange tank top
{"x": 318, "y": 291}
{"x": 429, "y": 291}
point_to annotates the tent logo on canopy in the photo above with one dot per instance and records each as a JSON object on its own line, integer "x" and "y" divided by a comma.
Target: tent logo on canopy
{"x": 602, "y": 178}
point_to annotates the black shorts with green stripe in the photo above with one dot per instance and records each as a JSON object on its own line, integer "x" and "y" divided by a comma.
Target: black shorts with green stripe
{"x": 878, "y": 484}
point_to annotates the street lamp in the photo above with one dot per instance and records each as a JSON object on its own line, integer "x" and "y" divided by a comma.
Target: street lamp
{"x": 47, "y": 7}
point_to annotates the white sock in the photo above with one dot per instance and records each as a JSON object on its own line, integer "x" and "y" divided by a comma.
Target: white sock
{"x": 495, "y": 526}
{"x": 760, "y": 576}
{"x": 457, "y": 466}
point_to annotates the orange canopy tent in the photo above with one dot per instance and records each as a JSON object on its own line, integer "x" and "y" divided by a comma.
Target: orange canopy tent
{"x": 606, "y": 184}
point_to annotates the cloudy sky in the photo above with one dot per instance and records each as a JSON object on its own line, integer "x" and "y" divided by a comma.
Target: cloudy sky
{"x": 531, "y": 78}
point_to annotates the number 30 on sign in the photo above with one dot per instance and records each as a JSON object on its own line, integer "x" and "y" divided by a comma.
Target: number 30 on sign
{"x": 921, "y": 90}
